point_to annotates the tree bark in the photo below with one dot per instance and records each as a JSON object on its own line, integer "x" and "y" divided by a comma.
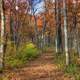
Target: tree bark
{"x": 58, "y": 26}
{"x": 2, "y": 34}
{"x": 65, "y": 31}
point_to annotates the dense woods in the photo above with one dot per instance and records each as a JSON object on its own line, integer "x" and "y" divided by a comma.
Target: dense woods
{"x": 27, "y": 32}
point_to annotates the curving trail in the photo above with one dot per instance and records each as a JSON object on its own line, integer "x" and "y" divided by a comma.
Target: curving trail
{"x": 42, "y": 68}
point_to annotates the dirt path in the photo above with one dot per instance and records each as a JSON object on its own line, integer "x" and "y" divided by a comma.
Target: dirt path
{"x": 43, "y": 68}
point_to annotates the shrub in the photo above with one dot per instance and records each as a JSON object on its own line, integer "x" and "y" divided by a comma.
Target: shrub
{"x": 14, "y": 62}
{"x": 72, "y": 68}
{"x": 26, "y": 52}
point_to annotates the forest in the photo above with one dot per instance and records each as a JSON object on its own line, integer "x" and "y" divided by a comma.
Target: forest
{"x": 39, "y": 39}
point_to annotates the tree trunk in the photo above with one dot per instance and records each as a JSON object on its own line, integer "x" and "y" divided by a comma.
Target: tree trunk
{"x": 43, "y": 31}
{"x": 36, "y": 30}
{"x": 74, "y": 26}
{"x": 2, "y": 34}
{"x": 58, "y": 26}
{"x": 65, "y": 31}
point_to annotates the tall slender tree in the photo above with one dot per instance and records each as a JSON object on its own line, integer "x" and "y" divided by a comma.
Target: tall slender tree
{"x": 74, "y": 25}
{"x": 2, "y": 34}
{"x": 65, "y": 31}
{"x": 58, "y": 25}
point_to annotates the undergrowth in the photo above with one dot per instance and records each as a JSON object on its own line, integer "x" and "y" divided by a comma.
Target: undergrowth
{"x": 17, "y": 58}
{"x": 73, "y": 68}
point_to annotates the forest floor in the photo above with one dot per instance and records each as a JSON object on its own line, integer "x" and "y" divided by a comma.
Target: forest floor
{"x": 42, "y": 68}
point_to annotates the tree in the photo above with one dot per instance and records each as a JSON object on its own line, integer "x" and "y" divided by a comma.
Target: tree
{"x": 65, "y": 31}
{"x": 58, "y": 25}
{"x": 75, "y": 28}
{"x": 2, "y": 34}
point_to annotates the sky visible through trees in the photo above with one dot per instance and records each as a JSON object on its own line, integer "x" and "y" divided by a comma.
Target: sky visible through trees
{"x": 37, "y": 5}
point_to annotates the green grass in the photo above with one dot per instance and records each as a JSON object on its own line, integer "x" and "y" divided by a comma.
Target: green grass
{"x": 73, "y": 70}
